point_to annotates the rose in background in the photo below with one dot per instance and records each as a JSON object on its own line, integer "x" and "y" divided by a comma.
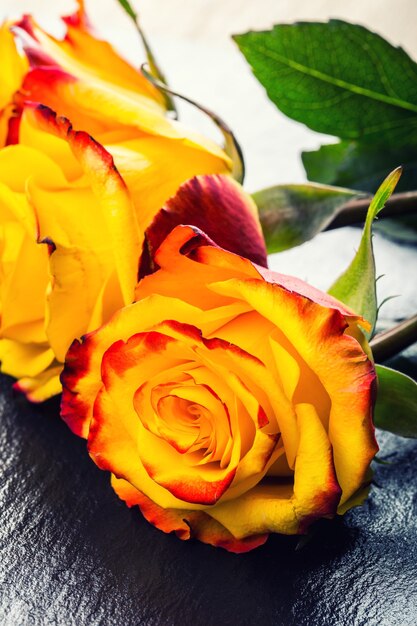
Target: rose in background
{"x": 83, "y": 79}
{"x": 229, "y": 401}
{"x": 14, "y": 68}
{"x": 60, "y": 188}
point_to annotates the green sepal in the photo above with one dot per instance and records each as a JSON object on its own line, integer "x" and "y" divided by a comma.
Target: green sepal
{"x": 396, "y": 404}
{"x": 293, "y": 214}
{"x": 356, "y": 287}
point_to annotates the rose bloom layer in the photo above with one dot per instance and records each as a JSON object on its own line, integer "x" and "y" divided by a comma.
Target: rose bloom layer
{"x": 228, "y": 402}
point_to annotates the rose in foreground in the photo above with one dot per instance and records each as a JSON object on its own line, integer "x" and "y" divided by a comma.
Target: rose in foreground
{"x": 71, "y": 240}
{"x": 228, "y": 402}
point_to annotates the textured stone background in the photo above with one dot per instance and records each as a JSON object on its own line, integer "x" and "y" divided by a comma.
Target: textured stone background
{"x": 71, "y": 552}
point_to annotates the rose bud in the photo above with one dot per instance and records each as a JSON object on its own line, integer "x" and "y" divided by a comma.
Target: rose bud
{"x": 229, "y": 401}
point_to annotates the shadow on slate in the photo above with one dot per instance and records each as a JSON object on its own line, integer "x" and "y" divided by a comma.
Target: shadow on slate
{"x": 73, "y": 554}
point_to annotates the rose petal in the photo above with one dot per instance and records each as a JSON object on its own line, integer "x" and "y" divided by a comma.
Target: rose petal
{"x": 288, "y": 509}
{"x": 219, "y": 207}
{"x": 82, "y": 54}
{"x": 81, "y": 378}
{"x": 317, "y": 334}
{"x": 184, "y": 523}
{"x": 14, "y": 66}
{"x": 155, "y": 166}
{"x": 41, "y": 387}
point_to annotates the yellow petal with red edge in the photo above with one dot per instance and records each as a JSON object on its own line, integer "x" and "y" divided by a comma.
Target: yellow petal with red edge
{"x": 177, "y": 271}
{"x": 219, "y": 207}
{"x": 125, "y": 368}
{"x": 285, "y": 508}
{"x": 33, "y": 134}
{"x": 14, "y": 65}
{"x": 94, "y": 105}
{"x": 245, "y": 377}
{"x": 338, "y": 361}
{"x": 41, "y": 387}
{"x": 112, "y": 443}
{"x": 81, "y": 378}
{"x": 184, "y": 523}
{"x": 110, "y": 192}
{"x": 298, "y": 286}
{"x": 100, "y": 110}
{"x": 84, "y": 55}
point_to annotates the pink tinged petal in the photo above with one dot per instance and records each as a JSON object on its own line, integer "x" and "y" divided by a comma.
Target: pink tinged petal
{"x": 220, "y": 208}
{"x": 298, "y": 286}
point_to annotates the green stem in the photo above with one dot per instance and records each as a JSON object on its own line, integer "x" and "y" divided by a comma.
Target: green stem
{"x": 155, "y": 70}
{"x": 231, "y": 144}
{"x": 354, "y": 212}
{"x": 389, "y": 343}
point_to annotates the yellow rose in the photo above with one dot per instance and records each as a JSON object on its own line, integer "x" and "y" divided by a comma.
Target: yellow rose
{"x": 61, "y": 187}
{"x": 13, "y": 68}
{"x": 228, "y": 402}
{"x": 83, "y": 79}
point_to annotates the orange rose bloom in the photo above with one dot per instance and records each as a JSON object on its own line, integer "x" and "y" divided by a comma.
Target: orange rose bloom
{"x": 229, "y": 401}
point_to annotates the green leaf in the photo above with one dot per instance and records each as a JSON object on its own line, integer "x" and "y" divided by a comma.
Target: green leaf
{"x": 128, "y": 8}
{"x": 401, "y": 229}
{"x": 293, "y": 214}
{"x": 356, "y": 287}
{"x": 396, "y": 404}
{"x": 327, "y": 164}
{"x": 360, "y": 166}
{"x": 337, "y": 78}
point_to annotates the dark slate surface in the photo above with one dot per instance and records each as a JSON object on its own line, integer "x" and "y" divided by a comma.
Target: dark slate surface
{"x": 73, "y": 554}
